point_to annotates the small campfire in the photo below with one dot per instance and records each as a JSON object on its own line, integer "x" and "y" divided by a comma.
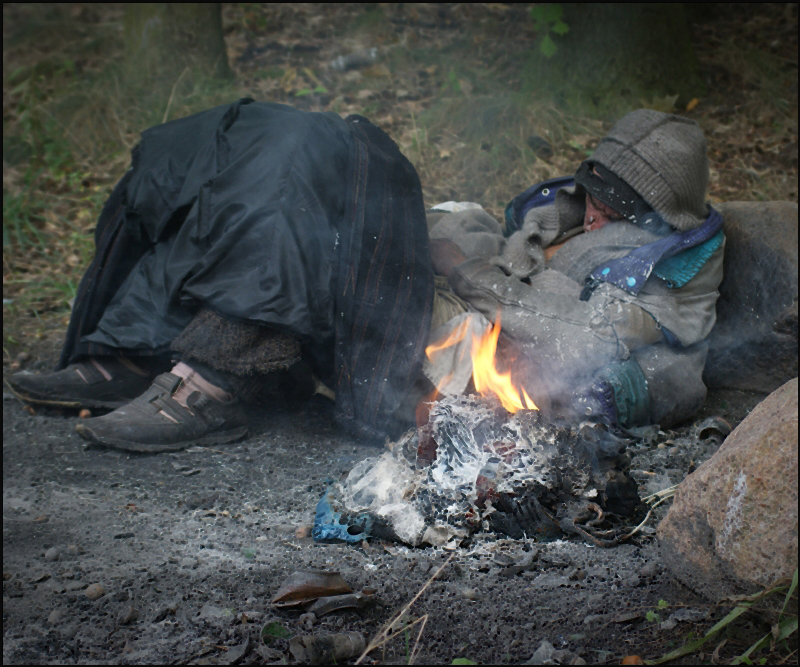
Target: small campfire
{"x": 488, "y": 463}
{"x": 487, "y": 379}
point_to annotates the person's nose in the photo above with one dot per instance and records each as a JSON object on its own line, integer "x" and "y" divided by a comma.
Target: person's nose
{"x": 594, "y": 218}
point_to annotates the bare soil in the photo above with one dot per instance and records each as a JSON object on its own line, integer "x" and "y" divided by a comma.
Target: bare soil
{"x": 198, "y": 543}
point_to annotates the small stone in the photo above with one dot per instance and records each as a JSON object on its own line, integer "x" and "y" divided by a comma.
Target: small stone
{"x": 302, "y": 531}
{"x": 15, "y": 366}
{"x": 75, "y": 586}
{"x": 52, "y": 554}
{"x": 55, "y": 616}
{"x": 22, "y": 357}
{"x": 593, "y": 619}
{"x": 649, "y": 571}
{"x": 128, "y": 615}
{"x": 307, "y": 620}
{"x": 542, "y": 654}
{"x": 564, "y": 657}
{"x": 56, "y": 587}
{"x": 190, "y": 563}
{"x": 631, "y": 581}
{"x": 216, "y": 615}
{"x": 469, "y": 594}
{"x": 95, "y": 591}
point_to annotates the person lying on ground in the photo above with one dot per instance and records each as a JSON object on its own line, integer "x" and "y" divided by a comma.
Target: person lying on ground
{"x": 608, "y": 292}
{"x": 254, "y": 240}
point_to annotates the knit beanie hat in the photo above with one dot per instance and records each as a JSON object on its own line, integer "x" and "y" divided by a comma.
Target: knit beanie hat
{"x": 662, "y": 157}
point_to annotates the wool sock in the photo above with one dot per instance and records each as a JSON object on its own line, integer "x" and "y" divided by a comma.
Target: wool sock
{"x": 193, "y": 381}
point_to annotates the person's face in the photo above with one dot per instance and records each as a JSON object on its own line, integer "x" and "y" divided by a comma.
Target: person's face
{"x": 597, "y": 214}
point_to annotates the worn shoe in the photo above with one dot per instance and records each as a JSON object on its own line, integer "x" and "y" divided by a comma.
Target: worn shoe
{"x": 83, "y": 385}
{"x": 156, "y": 422}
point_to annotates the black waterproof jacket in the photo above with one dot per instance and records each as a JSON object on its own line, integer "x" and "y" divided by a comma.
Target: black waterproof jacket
{"x": 301, "y": 221}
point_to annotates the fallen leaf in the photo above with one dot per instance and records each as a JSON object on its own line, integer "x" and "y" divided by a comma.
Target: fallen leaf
{"x": 85, "y": 413}
{"x": 632, "y": 660}
{"x": 307, "y": 585}
{"x": 325, "y": 605}
{"x": 692, "y": 103}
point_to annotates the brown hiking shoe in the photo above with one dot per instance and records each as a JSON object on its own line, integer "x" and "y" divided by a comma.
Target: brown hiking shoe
{"x": 83, "y": 385}
{"x": 156, "y": 422}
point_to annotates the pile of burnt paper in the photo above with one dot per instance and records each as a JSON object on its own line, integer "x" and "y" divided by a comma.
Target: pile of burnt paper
{"x": 475, "y": 468}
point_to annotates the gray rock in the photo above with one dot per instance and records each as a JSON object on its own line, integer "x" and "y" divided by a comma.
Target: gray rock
{"x": 543, "y": 654}
{"x": 469, "y": 593}
{"x": 52, "y": 554}
{"x": 216, "y": 615}
{"x": 649, "y": 571}
{"x": 56, "y": 616}
{"x": 70, "y": 630}
{"x": 190, "y": 563}
{"x": 753, "y": 346}
{"x": 128, "y": 615}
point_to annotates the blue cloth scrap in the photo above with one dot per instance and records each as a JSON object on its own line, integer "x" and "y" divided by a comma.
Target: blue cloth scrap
{"x": 676, "y": 259}
{"x": 328, "y": 526}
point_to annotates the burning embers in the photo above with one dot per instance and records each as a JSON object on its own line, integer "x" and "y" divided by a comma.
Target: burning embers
{"x": 487, "y": 379}
{"x": 475, "y": 468}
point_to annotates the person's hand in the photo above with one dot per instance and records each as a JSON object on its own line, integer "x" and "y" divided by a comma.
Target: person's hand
{"x": 445, "y": 255}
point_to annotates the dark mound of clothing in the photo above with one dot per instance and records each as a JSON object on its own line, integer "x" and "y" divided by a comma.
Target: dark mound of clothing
{"x": 302, "y": 222}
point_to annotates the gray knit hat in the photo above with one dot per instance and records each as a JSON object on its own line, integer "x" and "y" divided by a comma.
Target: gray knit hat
{"x": 663, "y": 158}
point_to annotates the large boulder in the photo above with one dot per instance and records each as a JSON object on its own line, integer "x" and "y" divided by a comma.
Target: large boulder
{"x": 732, "y": 527}
{"x": 754, "y": 343}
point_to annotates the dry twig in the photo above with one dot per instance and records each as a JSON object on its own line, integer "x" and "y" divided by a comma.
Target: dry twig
{"x": 383, "y": 636}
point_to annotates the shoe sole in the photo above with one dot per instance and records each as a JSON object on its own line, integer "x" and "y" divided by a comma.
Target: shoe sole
{"x": 60, "y": 403}
{"x": 211, "y": 439}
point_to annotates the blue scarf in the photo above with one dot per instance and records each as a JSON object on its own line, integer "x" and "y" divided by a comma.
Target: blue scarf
{"x": 676, "y": 259}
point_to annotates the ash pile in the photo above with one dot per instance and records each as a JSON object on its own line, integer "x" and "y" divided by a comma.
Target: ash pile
{"x": 474, "y": 468}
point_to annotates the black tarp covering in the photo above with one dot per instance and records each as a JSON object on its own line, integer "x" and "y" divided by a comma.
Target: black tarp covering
{"x": 301, "y": 221}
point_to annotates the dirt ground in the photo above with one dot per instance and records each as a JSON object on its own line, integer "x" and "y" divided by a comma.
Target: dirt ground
{"x": 189, "y": 548}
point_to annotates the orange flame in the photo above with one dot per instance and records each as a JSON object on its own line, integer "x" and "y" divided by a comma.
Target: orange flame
{"x": 455, "y": 336}
{"x": 485, "y": 376}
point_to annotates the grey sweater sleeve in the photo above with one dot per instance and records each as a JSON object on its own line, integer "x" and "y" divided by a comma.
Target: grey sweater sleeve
{"x": 476, "y": 232}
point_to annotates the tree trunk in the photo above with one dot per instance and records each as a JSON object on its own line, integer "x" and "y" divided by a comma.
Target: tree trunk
{"x": 617, "y": 56}
{"x": 163, "y": 39}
